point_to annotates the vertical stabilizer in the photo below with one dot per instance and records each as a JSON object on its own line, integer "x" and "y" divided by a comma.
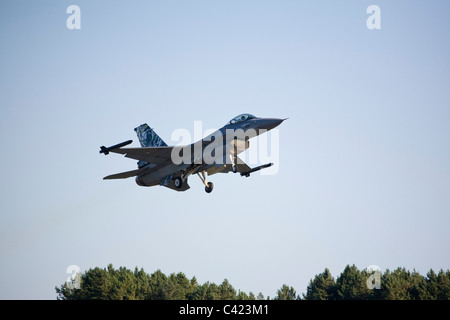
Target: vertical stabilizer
{"x": 148, "y": 137}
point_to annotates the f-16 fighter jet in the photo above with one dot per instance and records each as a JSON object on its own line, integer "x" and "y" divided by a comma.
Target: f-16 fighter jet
{"x": 160, "y": 164}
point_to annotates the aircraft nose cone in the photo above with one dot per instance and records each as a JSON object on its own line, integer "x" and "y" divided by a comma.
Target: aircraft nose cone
{"x": 270, "y": 123}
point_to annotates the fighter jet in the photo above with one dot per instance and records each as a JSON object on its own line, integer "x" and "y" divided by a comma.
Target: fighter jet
{"x": 170, "y": 166}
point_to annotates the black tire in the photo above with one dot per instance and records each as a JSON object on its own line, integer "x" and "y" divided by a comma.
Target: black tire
{"x": 234, "y": 169}
{"x": 178, "y": 182}
{"x": 210, "y": 187}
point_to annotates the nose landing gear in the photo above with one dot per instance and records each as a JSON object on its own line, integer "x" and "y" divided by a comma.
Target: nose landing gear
{"x": 210, "y": 187}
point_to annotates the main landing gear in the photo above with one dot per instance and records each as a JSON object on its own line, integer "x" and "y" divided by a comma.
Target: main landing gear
{"x": 208, "y": 185}
{"x": 178, "y": 182}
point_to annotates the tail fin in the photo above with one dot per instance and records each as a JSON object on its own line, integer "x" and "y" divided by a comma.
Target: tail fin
{"x": 148, "y": 137}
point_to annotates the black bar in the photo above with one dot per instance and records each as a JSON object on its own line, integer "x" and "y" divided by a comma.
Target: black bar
{"x": 252, "y": 309}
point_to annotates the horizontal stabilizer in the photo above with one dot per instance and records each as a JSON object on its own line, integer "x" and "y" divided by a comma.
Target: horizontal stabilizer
{"x": 155, "y": 155}
{"x": 123, "y": 175}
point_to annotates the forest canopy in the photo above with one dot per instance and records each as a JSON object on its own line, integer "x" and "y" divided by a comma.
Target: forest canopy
{"x": 352, "y": 284}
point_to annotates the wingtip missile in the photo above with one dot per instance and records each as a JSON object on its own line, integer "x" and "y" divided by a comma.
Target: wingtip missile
{"x": 106, "y": 150}
{"x": 247, "y": 174}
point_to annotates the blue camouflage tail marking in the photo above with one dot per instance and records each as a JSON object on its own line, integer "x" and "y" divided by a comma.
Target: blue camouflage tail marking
{"x": 148, "y": 137}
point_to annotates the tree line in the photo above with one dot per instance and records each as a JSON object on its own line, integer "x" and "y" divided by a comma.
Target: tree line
{"x": 352, "y": 284}
{"x": 400, "y": 284}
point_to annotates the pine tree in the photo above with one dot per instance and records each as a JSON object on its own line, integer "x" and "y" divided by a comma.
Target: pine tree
{"x": 158, "y": 283}
{"x": 443, "y": 285}
{"x": 226, "y": 290}
{"x": 351, "y": 284}
{"x": 432, "y": 286}
{"x": 286, "y": 293}
{"x": 143, "y": 288}
{"x": 397, "y": 284}
{"x": 323, "y": 287}
{"x": 260, "y": 296}
{"x": 212, "y": 291}
{"x": 417, "y": 287}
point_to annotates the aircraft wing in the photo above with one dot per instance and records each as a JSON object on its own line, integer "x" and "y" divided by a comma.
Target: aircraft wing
{"x": 156, "y": 155}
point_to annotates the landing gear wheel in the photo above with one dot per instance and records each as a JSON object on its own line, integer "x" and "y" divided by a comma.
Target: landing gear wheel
{"x": 210, "y": 187}
{"x": 178, "y": 182}
{"x": 234, "y": 169}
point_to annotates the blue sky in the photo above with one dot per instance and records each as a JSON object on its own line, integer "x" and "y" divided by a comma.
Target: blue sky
{"x": 364, "y": 164}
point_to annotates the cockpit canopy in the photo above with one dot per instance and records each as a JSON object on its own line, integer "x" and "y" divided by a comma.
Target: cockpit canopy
{"x": 241, "y": 118}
